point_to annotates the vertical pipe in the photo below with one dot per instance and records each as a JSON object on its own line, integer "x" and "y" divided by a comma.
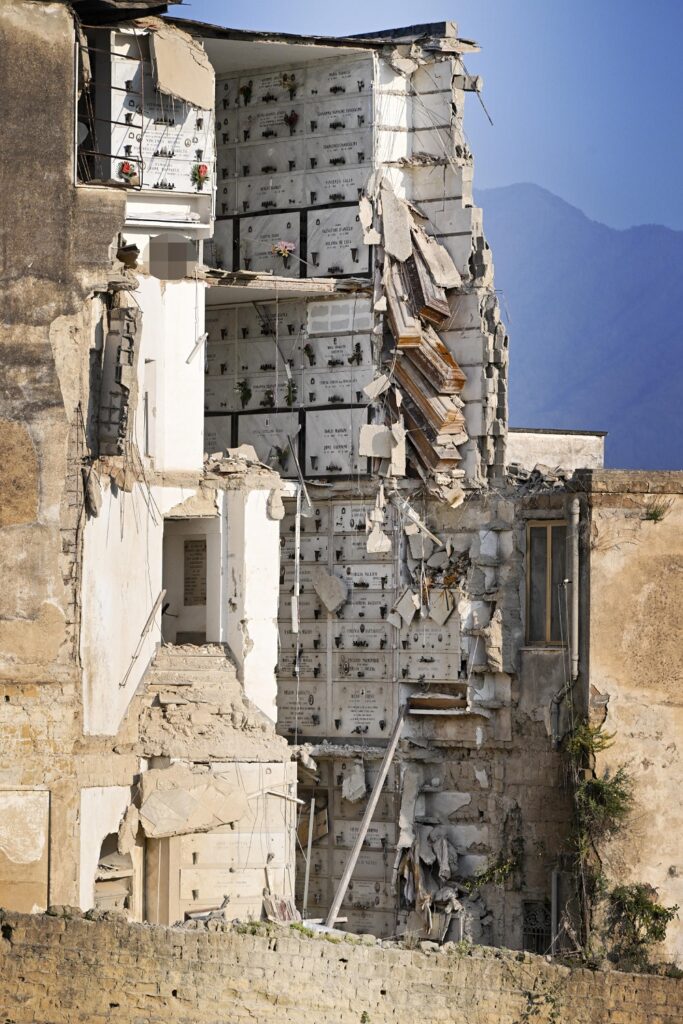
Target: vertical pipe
{"x": 554, "y": 910}
{"x": 574, "y": 509}
{"x": 309, "y": 844}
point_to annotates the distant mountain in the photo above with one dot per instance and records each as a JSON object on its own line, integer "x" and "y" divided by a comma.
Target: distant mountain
{"x": 596, "y": 324}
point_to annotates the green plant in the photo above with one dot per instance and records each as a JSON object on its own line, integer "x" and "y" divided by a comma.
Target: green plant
{"x": 290, "y": 394}
{"x": 603, "y": 803}
{"x": 500, "y": 869}
{"x": 297, "y": 926}
{"x": 657, "y": 509}
{"x": 637, "y": 921}
{"x": 546, "y": 999}
{"x": 365, "y": 1017}
{"x": 587, "y": 740}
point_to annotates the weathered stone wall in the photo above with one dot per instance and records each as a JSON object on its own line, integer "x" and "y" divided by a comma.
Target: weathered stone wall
{"x": 54, "y": 251}
{"x": 54, "y": 260}
{"x": 636, "y": 667}
{"x": 73, "y": 970}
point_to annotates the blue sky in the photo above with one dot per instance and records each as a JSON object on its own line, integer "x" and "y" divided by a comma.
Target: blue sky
{"x": 586, "y": 96}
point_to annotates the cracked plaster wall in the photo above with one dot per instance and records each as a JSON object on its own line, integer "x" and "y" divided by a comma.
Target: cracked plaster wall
{"x": 636, "y": 644}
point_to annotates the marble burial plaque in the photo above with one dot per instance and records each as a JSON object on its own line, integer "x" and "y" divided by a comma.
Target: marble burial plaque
{"x": 332, "y": 442}
{"x": 335, "y": 243}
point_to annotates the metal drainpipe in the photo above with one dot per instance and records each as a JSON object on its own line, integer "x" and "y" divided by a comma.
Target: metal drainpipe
{"x": 574, "y": 513}
{"x": 574, "y": 510}
{"x": 554, "y": 910}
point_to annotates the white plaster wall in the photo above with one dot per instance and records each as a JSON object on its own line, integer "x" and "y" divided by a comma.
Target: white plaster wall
{"x": 102, "y": 809}
{"x": 172, "y": 320}
{"x": 181, "y": 388}
{"x": 122, "y": 560}
{"x": 253, "y": 566}
{"x": 570, "y": 451}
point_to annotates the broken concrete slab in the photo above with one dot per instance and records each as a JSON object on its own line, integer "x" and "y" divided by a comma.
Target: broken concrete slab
{"x": 354, "y": 785}
{"x": 179, "y": 800}
{"x": 441, "y": 267}
{"x": 181, "y": 66}
{"x": 365, "y": 212}
{"x": 330, "y": 589}
{"x": 375, "y": 441}
{"x": 377, "y": 386}
{"x": 406, "y": 606}
{"x": 441, "y": 606}
{"x": 378, "y": 541}
{"x": 397, "y": 223}
{"x": 421, "y": 547}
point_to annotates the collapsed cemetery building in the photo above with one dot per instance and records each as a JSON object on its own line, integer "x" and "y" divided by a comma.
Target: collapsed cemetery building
{"x": 259, "y": 524}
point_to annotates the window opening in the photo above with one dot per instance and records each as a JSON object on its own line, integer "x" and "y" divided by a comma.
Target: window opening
{"x": 546, "y": 571}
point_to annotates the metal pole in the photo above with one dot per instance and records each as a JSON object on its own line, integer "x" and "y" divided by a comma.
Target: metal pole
{"x": 367, "y": 818}
{"x": 309, "y": 844}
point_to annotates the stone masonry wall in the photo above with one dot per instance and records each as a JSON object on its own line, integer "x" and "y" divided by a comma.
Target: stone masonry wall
{"x": 67, "y": 970}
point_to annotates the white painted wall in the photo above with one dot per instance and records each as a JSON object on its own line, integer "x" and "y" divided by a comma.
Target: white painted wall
{"x": 253, "y": 567}
{"x": 102, "y": 808}
{"x": 181, "y": 388}
{"x": 172, "y": 320}
{"x": 122, "y": 560}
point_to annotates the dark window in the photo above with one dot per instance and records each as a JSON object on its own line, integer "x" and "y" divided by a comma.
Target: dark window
{"x": 536, "y": 937}
{"x": 546, "y": 571}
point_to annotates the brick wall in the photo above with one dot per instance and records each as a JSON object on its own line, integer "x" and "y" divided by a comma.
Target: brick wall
{"x": 67, "y": 970}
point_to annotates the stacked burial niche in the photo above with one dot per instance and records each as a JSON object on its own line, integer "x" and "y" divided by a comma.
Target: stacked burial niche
{"x": 349, "y": 175}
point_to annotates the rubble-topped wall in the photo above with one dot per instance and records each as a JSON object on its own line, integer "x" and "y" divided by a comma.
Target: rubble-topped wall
{"x": 59, "y": 969}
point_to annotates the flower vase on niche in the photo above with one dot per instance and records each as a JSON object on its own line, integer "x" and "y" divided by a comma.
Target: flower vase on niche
{"x": 199, "y": 174}
{"x": 128, "y": 172}
{"x": 284, "y": 250}
{"x": 289, "y": 83}
{"x": 291, "y": 120}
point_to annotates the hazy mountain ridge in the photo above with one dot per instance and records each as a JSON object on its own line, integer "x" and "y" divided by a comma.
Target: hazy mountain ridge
{"x": 595, "y": 331}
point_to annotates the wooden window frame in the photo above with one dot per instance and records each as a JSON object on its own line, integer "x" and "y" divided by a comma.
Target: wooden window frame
{"x": 534, "y": 524}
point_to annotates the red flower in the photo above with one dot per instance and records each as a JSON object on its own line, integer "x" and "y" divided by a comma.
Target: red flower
{"x": 126, "y": 168}
{"x": 202, "y": 170}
